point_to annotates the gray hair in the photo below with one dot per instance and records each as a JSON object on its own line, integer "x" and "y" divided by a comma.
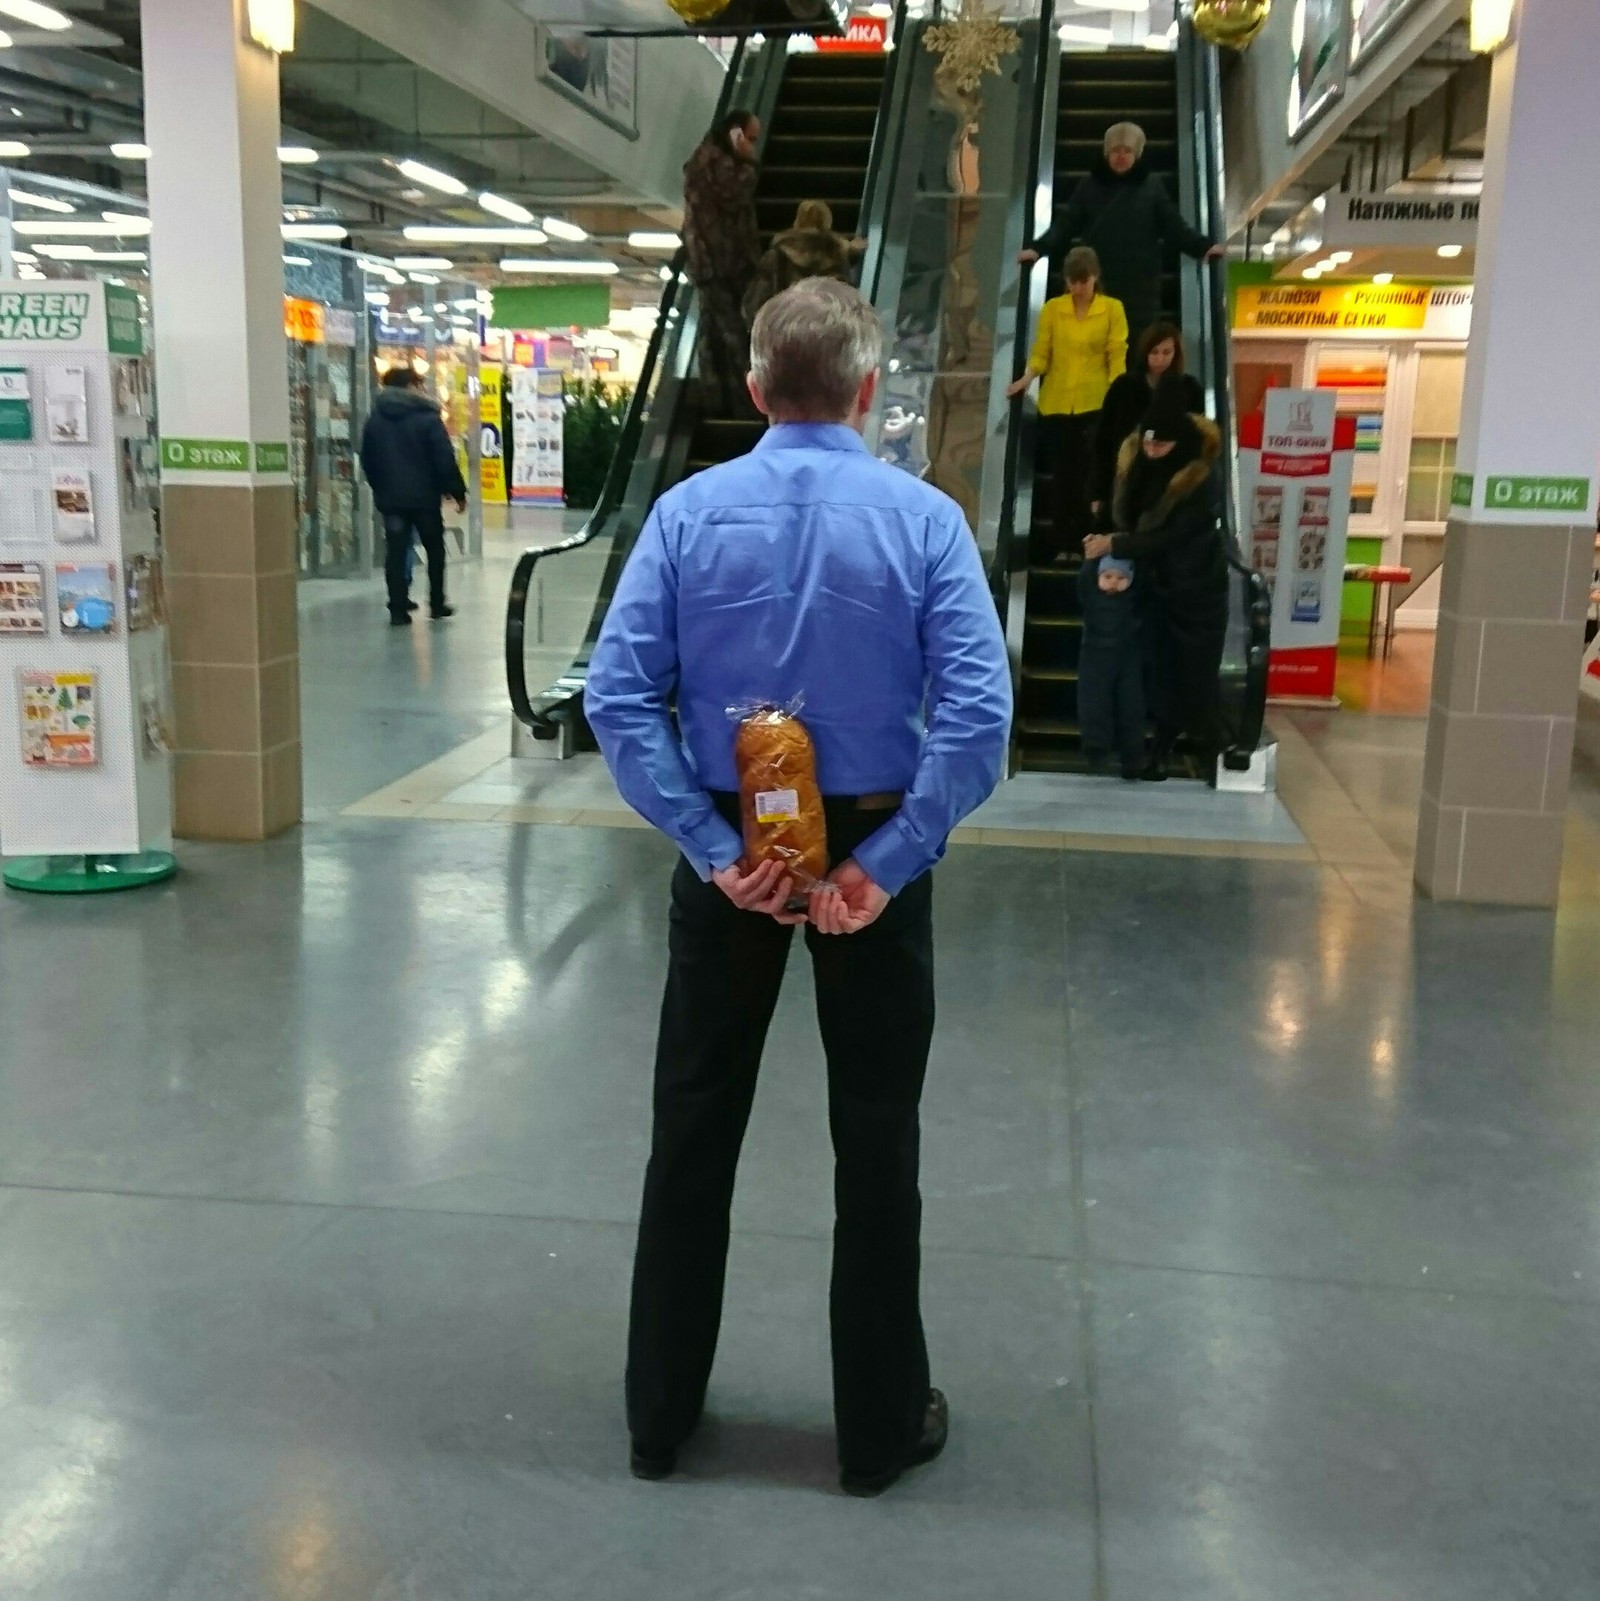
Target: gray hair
{"x": 1127, "y": 134}
{"x": 812, "y": 348}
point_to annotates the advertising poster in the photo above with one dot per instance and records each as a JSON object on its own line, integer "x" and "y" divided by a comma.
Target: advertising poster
{"x": 601, "y": 74}
{"x": 22, "y": 598}
{"x": 16, "y": 408}
{"x": 58, "y": 720}
{"x": 86, "y": 598}
{"x": 66, "y": 405}
{"x": 492, "y": 450}
{"x": 1296, "y": 459}
{"x": 73, "y": 501}
{"x": 1321, "y": 51}
{"x": 538, "y": 421}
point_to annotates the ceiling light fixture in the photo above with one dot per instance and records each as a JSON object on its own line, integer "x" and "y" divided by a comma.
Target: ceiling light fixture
{"x": 297, "y": 261}
{"x": 666, "y": 275}
{"x": 15, "y": 149}
{"x": 1450, "y": 252}
{"x": 6, "y": 41}
{"x": 423, "y": 277}
{"x": 119, "y": 228}
{"x": 21, "y": 197}
{"x": 432, "y": 234}
{"x": 1383, "y": 277}
{"x": 1313, "y": 272}
{"x": 424, "y": 263}
{"x": 89, "y": 253}
{"x": 502, "y": 207}
{"x": 298, "y": 155}
{"x": 1136, "y": 7}
{"x": 272, "y": 24}
{"x": 329, "y": 232}
{"x": 35, "y": 15}
{"x": 131, "y": 152}
{"x": 561, "y": 269}
{"x": 653, "y": 241}
{"x": 1075, "y": 33}
{"x": 560, "y": 228}
{"x": 1340, "y": 257}
{"x": 377, "y": 297}
{"x": 1490, "y": 24}
{"x": 423, "y": 173}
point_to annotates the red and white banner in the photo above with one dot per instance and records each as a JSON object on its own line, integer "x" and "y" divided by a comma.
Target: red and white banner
{"x": 864, "y": 36}
{"x": 1296, "y": 457}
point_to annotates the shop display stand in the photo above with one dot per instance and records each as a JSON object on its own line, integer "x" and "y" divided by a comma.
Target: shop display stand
{"x": 85, "y": 699}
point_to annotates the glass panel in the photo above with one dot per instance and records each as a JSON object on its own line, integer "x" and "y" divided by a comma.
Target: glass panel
{"x": 1361, "y": 376}
{"x": 1440, "y": 376}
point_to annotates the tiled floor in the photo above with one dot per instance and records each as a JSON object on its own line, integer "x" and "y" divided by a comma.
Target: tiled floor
{"x": 1261, "y": 1248}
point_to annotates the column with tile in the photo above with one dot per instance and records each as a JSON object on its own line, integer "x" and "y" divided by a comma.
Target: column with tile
{"x": 1520, "y": 547}
{"x": 211, "y": 121}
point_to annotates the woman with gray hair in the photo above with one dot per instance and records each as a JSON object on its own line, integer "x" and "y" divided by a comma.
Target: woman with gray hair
{"x": 1123, "y": 212}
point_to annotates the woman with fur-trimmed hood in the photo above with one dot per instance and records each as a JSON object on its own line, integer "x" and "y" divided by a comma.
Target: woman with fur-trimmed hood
{"x": 810, "y": 249}
{"x": 1166, "y": 508}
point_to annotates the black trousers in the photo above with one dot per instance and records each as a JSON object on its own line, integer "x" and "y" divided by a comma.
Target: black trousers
{"x": 1186, "y": 657}
{"x": 725, "y": 346}
{"x": 1072, "y": 472}
{"x": 426, "y": 524}
{"x": 875, "y": 1009}
{"x": 1111, "y": 709}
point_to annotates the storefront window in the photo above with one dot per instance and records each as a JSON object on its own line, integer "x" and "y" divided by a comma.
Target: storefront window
{"x": 1436, "y": 422}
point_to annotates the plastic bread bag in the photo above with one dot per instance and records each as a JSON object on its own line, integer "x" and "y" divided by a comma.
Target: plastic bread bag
{"x": 780, "y": 805}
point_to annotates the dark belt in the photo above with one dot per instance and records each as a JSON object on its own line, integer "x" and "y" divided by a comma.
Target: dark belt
{"x": 885, "y": 800}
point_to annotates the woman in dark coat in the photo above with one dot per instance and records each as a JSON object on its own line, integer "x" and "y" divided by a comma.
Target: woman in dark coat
{"x": 1123, "y": 212}
{"x": 1165, "y": 506}
{"x": 722, "y": 243}
{"x": 1159, "y": 351}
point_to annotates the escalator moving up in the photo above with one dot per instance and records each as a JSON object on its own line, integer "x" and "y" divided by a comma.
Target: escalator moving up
{"x": 818, "y": 148}
{"x": 1098, "y": 88}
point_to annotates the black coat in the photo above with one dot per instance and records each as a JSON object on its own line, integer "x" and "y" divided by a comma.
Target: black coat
{"x": 407, "y": 455}
{"x": 1125, "y": 219}
{"x": 1126, "y": 402}
{"x": 1110, "y": 622}
{"x": 1176, "y": 542}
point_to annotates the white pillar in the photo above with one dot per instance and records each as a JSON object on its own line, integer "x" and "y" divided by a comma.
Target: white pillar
{"x": 1520, "y": 547}
{"x": 216, "y": 205}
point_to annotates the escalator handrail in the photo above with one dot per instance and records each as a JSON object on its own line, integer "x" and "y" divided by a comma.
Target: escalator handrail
{"x": 617, "y": 476}
{"x": 880, "y": 131}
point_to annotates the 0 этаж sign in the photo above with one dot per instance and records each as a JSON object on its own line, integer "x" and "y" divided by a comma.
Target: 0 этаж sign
{"x": 206, "y": 455}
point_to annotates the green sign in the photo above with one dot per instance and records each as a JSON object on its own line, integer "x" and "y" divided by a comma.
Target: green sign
{"x": 1537, "y": 494}
{"x": 44, "y": 318}
{"x": 272, "y": 458}
{"x": 206, "y": 455}
{"x": 124, "y": 332}
{"x": 1461, "y": 489}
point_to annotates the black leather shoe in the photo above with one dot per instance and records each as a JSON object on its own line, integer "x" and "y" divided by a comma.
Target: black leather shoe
{"x": 399, "y": 619}
{"x": 411, "y": 605}
{"x": 1156, "y": 771}
{"x": 935, "y": 1434}
{"x": 439, "y": 613}
{"x": 645, "y": 1465}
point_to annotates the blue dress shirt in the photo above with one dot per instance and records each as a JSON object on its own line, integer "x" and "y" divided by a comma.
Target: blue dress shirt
{"x": 806, "y": 568}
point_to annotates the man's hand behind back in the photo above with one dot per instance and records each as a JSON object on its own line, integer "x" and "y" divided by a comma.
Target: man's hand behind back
{"x": 766, "y": 890}
{"x": 849, "y": 903}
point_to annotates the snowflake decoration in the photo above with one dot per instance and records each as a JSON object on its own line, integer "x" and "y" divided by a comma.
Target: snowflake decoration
{"x": 972, "y": 46}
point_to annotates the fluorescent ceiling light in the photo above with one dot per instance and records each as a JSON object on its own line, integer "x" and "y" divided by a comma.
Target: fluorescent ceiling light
{"x": 666, "y": 275}
{"x": 424, "y": 263}
{"x": 1074, "y": 33}
{"x": 465, "y": 305}
{"x": 442, "y": 181}
{"x": 6, "y": 41}
{"x": 21, "y": 197}
{"x": 297, "y": 155}
{"x": 1450, "y": 252}
{"x": 415, "y": 313}
{"x": 562, "y": 269}
{"x": 329, "y": 231}
{"x": 560, "y": 228}
{"x": 1156, "y": 41}
{"x": 15, "y": 148}
{"x": 89, "y": 253}
{"x": 131, "y": 152}
{"x": 430, "y": 234}
{"x": 377, "y": 297}
{"x": 441, "y": 306}
{"x": 502, "y": 207}
{"x": 23, "y": 255}
{"x": 1383, "y": 277}
{"x": 1490, "y": 24}
{"x": 120, "y": 228}
{"x": 36, "y": 15}
{"x": 1340, "y": 257}
{"x": 1313, "y": 272}
{"x": 653, "y": 241}
{"x": 1136, "y": 6}
{"x": 1320, "y": 204}
{"x": 297, "y": 261}
{"x": 272, "y": 24}
{"x": 423, "y": 277}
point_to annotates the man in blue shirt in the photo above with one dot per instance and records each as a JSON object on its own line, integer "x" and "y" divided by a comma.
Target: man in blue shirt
{"x": 804, "y": 569}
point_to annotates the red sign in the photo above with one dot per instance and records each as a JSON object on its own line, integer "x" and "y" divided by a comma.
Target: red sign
{"x": 865, "y": 36}
{"x": 1305, "y": 674}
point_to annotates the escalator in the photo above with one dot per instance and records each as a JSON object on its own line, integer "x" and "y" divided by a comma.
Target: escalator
{"x": 819, "y": 147}
{"x": 1171, "y": 96}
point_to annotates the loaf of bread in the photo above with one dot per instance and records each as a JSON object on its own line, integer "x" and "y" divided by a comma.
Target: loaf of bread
{"x": 779, "y": 801}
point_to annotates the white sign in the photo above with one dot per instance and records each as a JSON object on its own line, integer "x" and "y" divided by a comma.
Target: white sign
{"x": 1422, "y": 219}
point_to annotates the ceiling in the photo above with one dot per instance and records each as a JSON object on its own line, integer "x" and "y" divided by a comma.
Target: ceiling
{"x": 363, "y": 107}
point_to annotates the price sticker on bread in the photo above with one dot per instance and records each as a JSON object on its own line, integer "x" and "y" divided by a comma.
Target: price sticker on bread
{"x": 777, "y": 806}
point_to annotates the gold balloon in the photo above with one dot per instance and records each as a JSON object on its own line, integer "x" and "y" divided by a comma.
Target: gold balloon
{"x": 1233, "y": 23}
{"x": 698, "y": 11}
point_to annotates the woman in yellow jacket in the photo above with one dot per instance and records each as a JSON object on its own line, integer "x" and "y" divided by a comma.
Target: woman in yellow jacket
{"x": 1081, "y": 348}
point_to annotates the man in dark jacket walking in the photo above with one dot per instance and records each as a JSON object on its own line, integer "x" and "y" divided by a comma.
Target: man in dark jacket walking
{"x": 1123, "y": 212}
{"x": 411, "y": 465}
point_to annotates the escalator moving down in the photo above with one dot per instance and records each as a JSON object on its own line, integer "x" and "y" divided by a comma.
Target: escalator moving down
{"x": 818, "y": 148}
{"x": 1098, "y": 88}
